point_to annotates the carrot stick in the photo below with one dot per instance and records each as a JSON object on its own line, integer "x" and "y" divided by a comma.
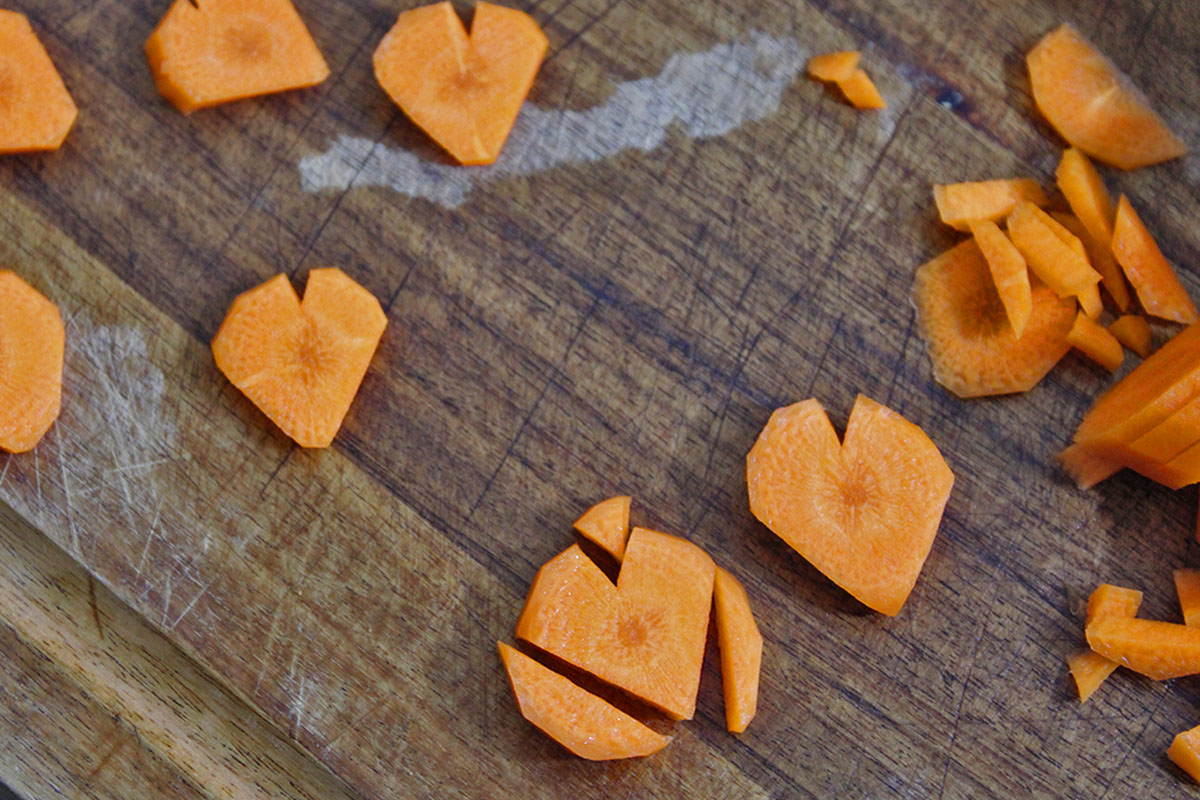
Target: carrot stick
{"x": 741, "y": 647}
{"x": 1185, "y": 752}
{"x": 1133, "y": 331}
{"x": 1050, "y": 250}
{"x": 1158, "y": 650}
{"x": 1101, "y": 258}
{"x": 1187, "y": 586}
{"x": 1009, "y": 273}
{"x": 36, "y": 110}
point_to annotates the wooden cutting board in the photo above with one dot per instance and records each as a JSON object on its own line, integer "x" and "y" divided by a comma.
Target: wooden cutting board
{"x": 682, "y": 235}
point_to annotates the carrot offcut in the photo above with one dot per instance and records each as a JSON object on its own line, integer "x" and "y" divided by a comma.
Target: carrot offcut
{"x": 1058, "y": 260}
{"x": 1091, "y": 669}
{"x": 1100, "y": 256}
{"x": 1094, "y": 340}
{"x": 960, "y": 204}
{"x": 1158, "y": 650}
{"x": 1185, "y": 752}
{"x": 607, "y": 524}
{"x": 1151, "y": 275}
{"x": 833, "y": 67}
{"x": 741, "y": 647}
{"x": 1187, "y": 587}
{"x": 860, "y": 90}
{"x": 1133, "y": 331}
{"x": 31, "y": 363}
{"x": 1009, "y": 273}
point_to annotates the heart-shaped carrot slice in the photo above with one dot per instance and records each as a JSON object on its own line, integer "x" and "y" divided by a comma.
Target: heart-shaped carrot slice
{"x": 31, "y": 364}
{"x": 301, "y": 363}
{"x": 645, "y": 635}
{"x": 863, "y": 512}
{"x": 465, "y": 92}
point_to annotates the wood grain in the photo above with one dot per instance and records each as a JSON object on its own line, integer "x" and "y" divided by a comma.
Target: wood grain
{"x": 620, "y": 326}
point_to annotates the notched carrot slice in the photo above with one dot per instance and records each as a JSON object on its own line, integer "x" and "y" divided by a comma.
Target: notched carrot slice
{"x": 216, "y": 51}
{"x": 1133, "y": 331}
{"x": 1152, "y": 277}
{"x": 1185, "y": 752}
{"x": 960, "y": 204}
{"x": 833, "y": 67}
{"x": 741, "y": 647}
{"x": 1093, "y": 340}
{"x": 607, "y": 524}
{"x": 1100, "y": 257}
{"x": 1158, "y": 650}
{"x": 31, "y": 364}
{"x": 36, "y": 110}
{"x": 861, "y": 91}
{"x": 1058, "y": 260}
{"x": 580, "y": 721}
{"x": 1009, "y": 273}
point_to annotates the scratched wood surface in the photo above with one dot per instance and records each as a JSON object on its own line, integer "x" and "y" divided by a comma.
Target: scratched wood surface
{"x": 624, "y": 323}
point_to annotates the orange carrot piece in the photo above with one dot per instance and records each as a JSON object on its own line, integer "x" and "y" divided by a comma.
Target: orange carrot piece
{"x": 834, "y": 67}
{"x": 1152, "y": 277}
{"x": 741, "y": 647}
{"x": 464, "y": 91}
{"x": 1086, "y": 193}
{"x": 865, "y": 511}
{"x": 36, "y": 110}
{"x": 960, "y": 204}
{"x": 580, "y": 721}
{"x": 1158, "y": 650}
{"x": 861, "y": 92}
{"x": 1009, "y": 273}
{"x": 1089, "y": 670}
{"x": 1094, "y": 341}
{"x": 216, "y": 51}
{"x": 1090, "y": 302}
{"x": 645, "y": 635}
{"x": 607, "y": 524}
{"x": 301, "y": 363}
{"x": 1086, "y": 466}
{"x": 1109, "y": 600}
{"x": 967, "y": 332}
{"x": 1185, "y": 752}
{"x": 1133, "y": 331}
{"x": 1050, "y": 255}
{"x": 1089, "y": 297}
{"x": 1100, "y": 257}
{"x": 31, "y": 364}
{"x": 1170, "y": 437}
{"x": 1187, "y": 586}
{"x": 1094, "y": 105}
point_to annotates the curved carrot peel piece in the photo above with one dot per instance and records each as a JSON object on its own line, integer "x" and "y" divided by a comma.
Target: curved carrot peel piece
{"x": 960, "y": 204}
{"x": 1009, "y": 272}
{"x": 36, "y": 110}
{"x": 1185, "y": 752}
{"x": 1094, "y": 340}
{"x": 1187, "y": 586}
{"x": 1094, "y": 105}
{"x": 1158, "y": 650}
{"x": 31, "y": 364}
{"x": 741, "y": 647}
{"x": 1152, "y": 277}
{"x": 1054, "y": 255}
{"x": 607, "y": 524}
{"x": 1133, "y": 331}
{"x": 865, "y": 511}
{"x": 1091, "y": 669}
{"x": 833, "y": 67}
{"x": 216, "y": 51}
{"x": 575, "y": 718}
{"x": 465, "y": 92}
{"x": 968, "y": 334}
{"x": 861, "y": 91}
{"x": 1100, "y": 257}
{"x": 301, "y": 363}
{"x": 645, "y": 635}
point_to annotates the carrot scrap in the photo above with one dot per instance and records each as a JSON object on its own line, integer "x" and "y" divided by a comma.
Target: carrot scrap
{"x": 645, "y": 635}
{"x": 864, "y": 511}
{"x": 1100, "y": 256}
{"x": 1059, "y": 261}
{"x": 36, "y": 110}
{"x": 575, "y": 718}
{"x": 607, "y": 524}
{"x": 1087, "y": 467}
{"x": 464, "y": 91}
{"x": 1089, "y": 670}
{"x": 1187, "y": 586}
{"x": 1158, "y": 650}
{"x": 834, "y": 67}
{"x": 215, "y": 51}
{"x": 1084, "y": 189}
{"x": 300, "y": 362}
{"x": 960, "y": 204}
{"x": 1094, "y": 341}
{"x": 861, "y": 91}
{"x": 1109, "y": 600}
{"x": 31, "y": 363}
{"x": 741, "y": 647}
{"x": 1185, "y": 752}
{"x": 1152, "y": 277}
{"x": 967, "y": 332}
{"x": 1094, "y": 105}
{"x": 1133, "y": 331}
{"x": 1009, "y": 273}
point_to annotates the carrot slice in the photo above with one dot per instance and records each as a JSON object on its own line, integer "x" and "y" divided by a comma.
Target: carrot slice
{"x": 861, "y": 91}
{"x": 1009, "y": 273}
{"x": 36, "y": 110}
{"x": 1187, "y": 586}
{"x": 741, "y": 650}
{"x": 960, "y": 204}
{"x": 865, "y": 511}
{"x": 1094, "y": 105}
{"x": 834, "y": 67}
{"x": 1133, "y": 331}
{"x": 1158, "y": 650}
{"x": 967, "y": 332}
{"x": 1086, "y": 193}
{"x": 1100, "y": 257}
{"x": 1185, "y": 752}
{"x": 580, "y": 721}
{"x": 1109, "y": 600}
{"x": 215, "y": 51}
{"x": 607, "y": 524}
{"x": 1094, "y": 340}
{"x": 31, "y": 364}
{"x": 1170, "y": 437}
{"x": 463, "y": 91}
{"x": 1052, "y": 257}
{"x": 645, "y": 635}
{"x": 301, "y": 363}
{"x": 1152, "y": 277}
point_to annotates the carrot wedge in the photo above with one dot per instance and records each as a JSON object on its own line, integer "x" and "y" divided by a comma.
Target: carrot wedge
{"x": 1094, "y": 340}
{"x": 607, "y": 524}
{"x": 1100, "y": 256}
{"x": 860, "y": 90}
{"x": 31, "y": 364}
{"x": 741, "y": 647}
{"x": 1185, "y": 752}
{"x": 580, "y": 721}
{"x": 833, "y": 67}
{"x": 960, "y": 204}
{"x": 1050, "y": 255}
{"x": 1086, "y": 193}
{"x": 1187, "y": 586}
{"x": 36, "y": 110}
{"x": 1149, "y": 272}
{"x": 1089, "y": 670}
{"x": 1009, "y": 273}
{"x": 1158, "y": 650}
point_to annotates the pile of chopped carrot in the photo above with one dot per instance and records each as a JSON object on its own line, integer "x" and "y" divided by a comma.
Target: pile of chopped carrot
{"x": 842, "y": 68}
{"x": 645, "y": 635}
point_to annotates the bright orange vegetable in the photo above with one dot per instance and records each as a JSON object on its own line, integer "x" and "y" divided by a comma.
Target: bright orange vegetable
{"x": 645, "y": 635}
{"x": 36, "y": 110}
{"x": 865, "y": 511}
{"x": 834, "y": 67}
{"x": 1156, "y": 284}
{"x": 1087, "y": 195}
{"x": 1094, "y": 340}
{"x": 463, "y": 91}
{"x": 960, "y": 204}
{"x": 1133, "y": 331}
{"x": 1087, "y": 467}
{"x": 31, "y": 364}
{"x": 607, "y": 524}
{"x": 861, "y": 91}
{"x": 741, "y": 647}
{"x": 1100, "y": 257}
{"x": 1089, "y": 670}
{"x": 1185, "y": 752}
{"x": 1170, "y": 437}
{"x": 1094, "y": 105}
{"x": 1158, "y": 650}
{"x": 301, "y": 363}
{"x": 1187, "y": 586}
{"x": 1109, "y": 600}
{"x": 1009, "y": 273}
{"x": 1058, "y": 260}
{"x": 966, "y": 328}
{"x": 215, "y": 51}
{"x": 575, "y": 718}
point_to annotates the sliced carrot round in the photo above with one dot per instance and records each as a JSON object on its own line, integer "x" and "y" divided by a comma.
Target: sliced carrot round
{"x": 1151, "y": 275}
{"x": 36, "y": 110}
{"x": 607, "y": 524}
{"x": 31, "y": 364}
{"x": 833, "y": 67}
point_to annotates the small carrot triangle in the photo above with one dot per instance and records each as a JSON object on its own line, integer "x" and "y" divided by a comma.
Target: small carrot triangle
{"x": 607, "y": 524}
